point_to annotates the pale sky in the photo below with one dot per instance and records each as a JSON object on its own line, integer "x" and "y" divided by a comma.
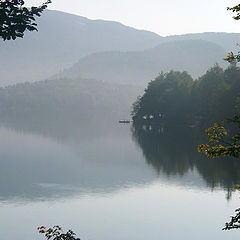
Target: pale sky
{"x": 163, "y": 17}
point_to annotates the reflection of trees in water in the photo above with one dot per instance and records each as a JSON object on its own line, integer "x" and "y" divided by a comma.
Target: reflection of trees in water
{"x": 170, "y": 150}
{"x": 65, "y": 126}
{"x": 173, "y": 151}
{"x": 162, "y": 150}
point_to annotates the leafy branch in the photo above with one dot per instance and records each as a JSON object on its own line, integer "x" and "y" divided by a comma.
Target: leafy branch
{"x": 235, "y": 221}
{"x": 218, "y": 144}
{"x": 56, "y": 233}
{"x": 15, "y": 18}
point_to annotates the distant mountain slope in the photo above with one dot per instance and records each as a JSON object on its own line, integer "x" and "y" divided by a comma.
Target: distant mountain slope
{"x": 65, "y": 38}
{"x": 194, "y": 56}
{"x": 62, "y": 40}
{"x": 68, "y": 99}
{"x": 228, "y": 41}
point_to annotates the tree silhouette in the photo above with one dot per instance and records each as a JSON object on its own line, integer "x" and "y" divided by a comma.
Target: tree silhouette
{"x": 56, "y": 233}
{"x": 15, "y": 18}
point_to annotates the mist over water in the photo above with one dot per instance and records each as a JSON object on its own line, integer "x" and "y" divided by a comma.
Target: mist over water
{"x": 77, "y": 174}
{"x": 66, "y": 160}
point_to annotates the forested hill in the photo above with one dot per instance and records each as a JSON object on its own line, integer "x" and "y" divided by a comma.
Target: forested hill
{"x": 61, "y": 41}
{"x": 66, "y": 98}
{"x": 194, "y": 56}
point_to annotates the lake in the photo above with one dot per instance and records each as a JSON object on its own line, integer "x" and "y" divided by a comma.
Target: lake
{"x": 111, "y": 181}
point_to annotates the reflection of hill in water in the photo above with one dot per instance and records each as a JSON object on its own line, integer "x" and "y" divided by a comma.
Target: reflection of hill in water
{"x": 65, "y": 127}
{"x": 59, "y": 160}
{"x": 54, "y": 156}
{"x": 173, "y": 150}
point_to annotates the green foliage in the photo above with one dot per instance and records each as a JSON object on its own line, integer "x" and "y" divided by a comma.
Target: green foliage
{"x": 235, "y": 9}
{"x": 166, "y": 96}
{"x": 235, "y": 221}
{"x": 218, "y": 144}
{"x": 56, "y": 233}
{"x": 15, "y": 18}
{"x": 174, "y": 97}
{"x": 231, "y": 57}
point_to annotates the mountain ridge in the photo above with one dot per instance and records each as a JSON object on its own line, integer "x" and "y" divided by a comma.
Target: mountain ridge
{"x": 65, "y": 38}
{"x": 139, "y": 67}
{"x": 61, "y": 41}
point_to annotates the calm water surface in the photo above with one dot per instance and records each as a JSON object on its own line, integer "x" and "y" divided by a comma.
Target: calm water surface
{"x": 110, "y": 181}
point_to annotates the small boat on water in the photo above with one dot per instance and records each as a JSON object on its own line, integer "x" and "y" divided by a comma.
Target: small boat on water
{"x": 124, "y": 121}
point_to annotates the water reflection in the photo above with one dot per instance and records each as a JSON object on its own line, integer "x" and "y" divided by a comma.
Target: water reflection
{"x": 172, "y": 150}
{"x": 91, "y": 160}
{"x": 50, "y": 158}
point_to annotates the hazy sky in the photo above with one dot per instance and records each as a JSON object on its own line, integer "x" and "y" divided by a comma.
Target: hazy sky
{"x": 163, "y": 17}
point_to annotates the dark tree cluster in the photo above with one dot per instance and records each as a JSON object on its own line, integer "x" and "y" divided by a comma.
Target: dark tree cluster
{"x": 174, "y": 97}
